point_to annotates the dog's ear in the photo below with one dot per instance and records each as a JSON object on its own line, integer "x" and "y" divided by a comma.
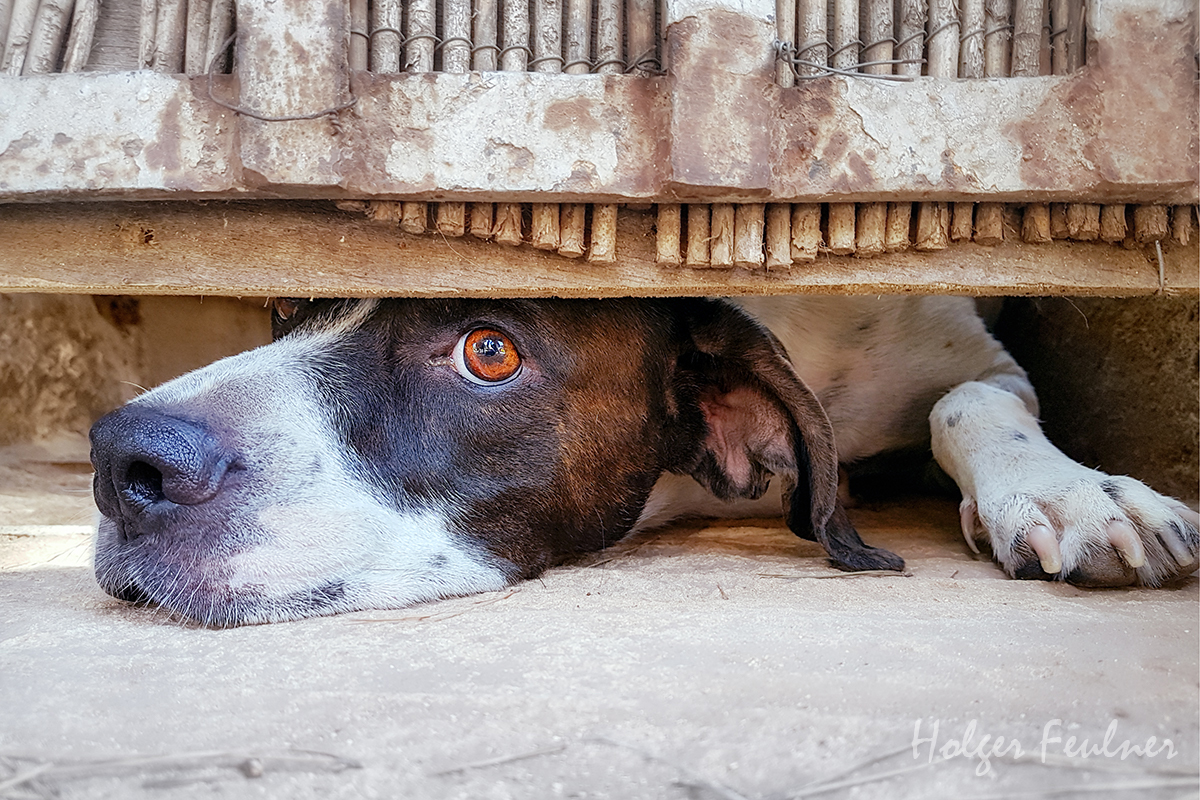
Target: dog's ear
{"x": 751, "y": 416}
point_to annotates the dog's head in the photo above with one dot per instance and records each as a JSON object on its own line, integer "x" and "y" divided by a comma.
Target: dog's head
{"x": 379, "y": 453}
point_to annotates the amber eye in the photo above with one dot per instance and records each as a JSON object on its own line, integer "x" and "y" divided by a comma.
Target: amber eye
{"x": 487, "y": 357}
{"x": 285, "y": 307}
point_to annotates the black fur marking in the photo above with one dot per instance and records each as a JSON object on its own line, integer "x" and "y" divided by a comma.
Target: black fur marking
{"x": 327, "y": 595}
{"x": 799, "y": 515}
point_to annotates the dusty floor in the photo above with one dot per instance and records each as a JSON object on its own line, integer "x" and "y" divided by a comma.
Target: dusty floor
{"x": 719, "y": 660}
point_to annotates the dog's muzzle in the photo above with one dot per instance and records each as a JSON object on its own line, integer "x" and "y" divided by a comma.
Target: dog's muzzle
{"x": 148, "y": 465}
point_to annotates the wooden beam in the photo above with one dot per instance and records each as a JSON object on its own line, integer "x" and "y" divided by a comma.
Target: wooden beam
{"x": 311, "y": 248}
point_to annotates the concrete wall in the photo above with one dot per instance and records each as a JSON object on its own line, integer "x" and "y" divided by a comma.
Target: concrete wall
{"x": 61, "y": 365}
{"x": 1118, "y": 380}
{"x": 66, "y": 359}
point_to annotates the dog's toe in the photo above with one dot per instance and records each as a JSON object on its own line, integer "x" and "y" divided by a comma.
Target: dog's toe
{"x": 1125, "y": 540}
{"x": 1038, "y": 555}
{"x": 1102, "y": 569}
{"x": 1092, "y": 531}
{"x": 1180, "y": 542}
{"x": 1044, "y": 542}
{"x": 1166, "y": 531}
{"x": 1109, "y": 555}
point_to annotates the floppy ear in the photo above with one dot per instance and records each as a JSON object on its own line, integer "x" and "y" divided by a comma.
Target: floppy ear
{"x": 759, "y": 419}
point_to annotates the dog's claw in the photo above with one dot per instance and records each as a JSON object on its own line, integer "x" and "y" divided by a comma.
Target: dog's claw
{"x": 966, "y": 516}
{"x": 1045, "y": 544}
{"x": 1125, "y": 539}
{"x": 1177, "y": 547}
{"x": 1115, "y": 532}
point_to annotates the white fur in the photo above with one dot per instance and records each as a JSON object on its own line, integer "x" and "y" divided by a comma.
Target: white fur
{"x": 1013, "y": 483}
{"x": 880, "y": 365}
{"x": 315, "y": 520}
{"x": 887, "y": 377}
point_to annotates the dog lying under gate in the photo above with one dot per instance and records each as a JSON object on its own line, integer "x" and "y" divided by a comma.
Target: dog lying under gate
{"x": 384, "y": 452}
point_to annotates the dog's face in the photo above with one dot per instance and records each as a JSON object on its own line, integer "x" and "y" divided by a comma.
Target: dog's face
{"x": 379, "y": 453}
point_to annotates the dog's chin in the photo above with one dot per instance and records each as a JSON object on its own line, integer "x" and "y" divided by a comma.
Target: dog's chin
{"x": 226, "y": 570}
{"x": 217, "y": 606}
{"x": 197, "y": 588}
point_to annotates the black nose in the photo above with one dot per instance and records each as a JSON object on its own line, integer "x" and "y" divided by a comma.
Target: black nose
{"x": 148, "y": 463}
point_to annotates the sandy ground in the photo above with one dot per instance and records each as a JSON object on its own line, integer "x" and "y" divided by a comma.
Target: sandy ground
{"x": 704, "y": 661}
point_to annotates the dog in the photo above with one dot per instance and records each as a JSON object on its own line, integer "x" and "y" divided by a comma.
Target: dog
{"x": 379, "y": 453}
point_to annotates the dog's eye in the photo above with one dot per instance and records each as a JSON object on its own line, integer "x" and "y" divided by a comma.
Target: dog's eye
{"x": 285, "y": 307}
{"x": 486, "y": 357}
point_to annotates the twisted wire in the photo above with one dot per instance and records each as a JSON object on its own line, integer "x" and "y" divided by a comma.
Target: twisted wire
{"x": 787, "y": 52}
{"x": 647, "y": 63}
{"x": 332, "y": 112}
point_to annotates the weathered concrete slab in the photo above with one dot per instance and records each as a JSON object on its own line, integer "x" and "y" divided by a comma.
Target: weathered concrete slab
{"x": 292, "y": 62}
{"x": 1124, "y": 129}
{"x": 113, "y": 134}
{"x": 514, "y": 135}
{"x": 1126, "y": 125}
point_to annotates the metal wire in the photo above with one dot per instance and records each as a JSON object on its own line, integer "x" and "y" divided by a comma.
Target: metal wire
{"x": 808, "y": 70}
{"x": 805, "y": 67}
{"x": 528, "y": 52}
{"x": 650, "y": 62}
{"x": 544, "y": 59}
{"x": 386, "y": 29}
{"x": 246, "y": 112}
{"x": 451, "y": 40}
{"x": 645, "y": 63}
{"x": 934, "y": 34}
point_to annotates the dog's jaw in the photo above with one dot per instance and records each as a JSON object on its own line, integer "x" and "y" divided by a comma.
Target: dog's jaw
{"x": 302, "y": 531}
{"x": 276, "y": 581}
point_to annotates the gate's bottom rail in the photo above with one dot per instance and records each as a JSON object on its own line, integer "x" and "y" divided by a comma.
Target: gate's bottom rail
{"x": 303, "y": 248}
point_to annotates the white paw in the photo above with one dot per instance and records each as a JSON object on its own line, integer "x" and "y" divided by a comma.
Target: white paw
{"x": 1067, "y": 522}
